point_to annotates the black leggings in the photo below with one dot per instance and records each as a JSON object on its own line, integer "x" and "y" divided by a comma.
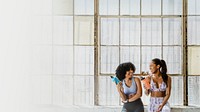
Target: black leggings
{"x": 135, "y": 106}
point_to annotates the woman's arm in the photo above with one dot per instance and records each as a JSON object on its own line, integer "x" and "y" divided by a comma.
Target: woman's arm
{"x": 139, "y": 90}
{"x": 147, "y": 91}
{"x": 121, "y": 93}
{"x": 168, "y": 93}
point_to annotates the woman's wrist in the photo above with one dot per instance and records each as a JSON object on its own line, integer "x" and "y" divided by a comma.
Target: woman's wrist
{"x": 126, "y": 101}
{"x": 162, "y": 104}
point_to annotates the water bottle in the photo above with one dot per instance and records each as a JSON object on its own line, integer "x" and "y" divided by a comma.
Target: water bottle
{"x": 145, "y": 82}
{"x": 115, "y": 79}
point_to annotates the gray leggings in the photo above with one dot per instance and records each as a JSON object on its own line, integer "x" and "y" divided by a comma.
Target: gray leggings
{"x": 135, "y": 106}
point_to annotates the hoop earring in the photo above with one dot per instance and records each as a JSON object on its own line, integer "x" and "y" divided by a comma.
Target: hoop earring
{"x": 160, "y": 69}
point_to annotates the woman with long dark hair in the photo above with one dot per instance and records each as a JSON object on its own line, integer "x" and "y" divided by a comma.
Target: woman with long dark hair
{"x": 160, "y": 87}
{"x": 129, "y": 88}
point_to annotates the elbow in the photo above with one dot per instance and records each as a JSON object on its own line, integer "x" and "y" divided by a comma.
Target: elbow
{"x": 167, "y": 95}
{"x": 139, "y": 95}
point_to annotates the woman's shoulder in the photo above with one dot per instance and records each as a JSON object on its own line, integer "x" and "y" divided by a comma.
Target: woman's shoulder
{"x": 136, "y": 79}
{"x": 169, "y": 77}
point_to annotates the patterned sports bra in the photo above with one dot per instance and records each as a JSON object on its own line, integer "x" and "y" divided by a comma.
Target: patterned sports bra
{"x": 162, "y": 86}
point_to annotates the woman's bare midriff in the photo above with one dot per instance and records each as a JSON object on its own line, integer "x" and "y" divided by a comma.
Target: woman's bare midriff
{"x": 130, "y": 96}
{"x": 158, "y": 94}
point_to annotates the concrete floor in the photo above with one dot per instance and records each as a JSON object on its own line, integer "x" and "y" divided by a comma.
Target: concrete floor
{"x": 54, "y": 108}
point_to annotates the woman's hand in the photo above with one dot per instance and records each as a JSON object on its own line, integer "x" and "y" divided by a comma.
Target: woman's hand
{"x": 146, "y": 91}
{"x": 144, "y": 87}
{"x": 126, "y": 101}
{"x": 160, "y": 108}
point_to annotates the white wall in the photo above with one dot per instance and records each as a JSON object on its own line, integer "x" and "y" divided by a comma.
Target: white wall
{"x": 36, "y": 59}
{"x": 15, "y": 35}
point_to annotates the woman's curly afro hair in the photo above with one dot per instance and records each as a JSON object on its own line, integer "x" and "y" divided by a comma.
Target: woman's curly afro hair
{"x": 122, "y": 69}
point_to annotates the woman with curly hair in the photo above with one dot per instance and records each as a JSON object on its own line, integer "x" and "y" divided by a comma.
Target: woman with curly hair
{"x": 129, "y": 88}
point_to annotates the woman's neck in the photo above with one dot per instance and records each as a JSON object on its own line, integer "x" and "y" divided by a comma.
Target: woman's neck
{"x": 157, "y": 74}
{"x": 128, "y": 79}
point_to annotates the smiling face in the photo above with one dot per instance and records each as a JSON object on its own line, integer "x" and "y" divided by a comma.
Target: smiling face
{"x": 129, "y": 74}
{"x": 153, "y": 67}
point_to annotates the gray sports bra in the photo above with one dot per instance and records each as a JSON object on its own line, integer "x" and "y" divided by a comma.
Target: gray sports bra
{"x": 130, "y": 90}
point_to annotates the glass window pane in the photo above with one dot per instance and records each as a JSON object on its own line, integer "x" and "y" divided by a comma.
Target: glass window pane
{"x": 129, "y": 7}
{"x": 149, "y": 53}
{"x": 131, "y": 54}
{"x": 194, "y": 90}
{"x": 172, "y": 56}
{"x": 109, "y": 59}
{"x": 62, "y": 7}
{"x": 63, "y": 30}
{"x": 63, "y": 60}
{"x": 108, "y": 94}
{"x": 84, "y": 60}
{"x": 151, "y": 31}
{"x": 109, "y": 7}
{"x": 172, "y": 31}
{"x": 84, "y": 30}
{"x": 41, "y": 89}
{"x": 41, "y": 60}
{"x": 193, "y": 7}
{"x": 109, "y": 31}
{"x": 130, "y": 31}
{"x": 194, "y": 30}
{"x": 84, "y": 7}
{"x": 193, "y": 60}
{"x": 41, "y": 30}
{"x": 151, "y": 7}
{"x": 176, "y": 97}
{"x": 172, "y": 7}
{"x": 38, "y": 7}
{"x": 84, "y": 90}
{"x": 62, "y": 90}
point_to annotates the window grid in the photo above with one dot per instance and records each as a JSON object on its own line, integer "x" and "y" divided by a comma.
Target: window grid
{"x": 140, "y": 45}
{"x": 140, "y": 16}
